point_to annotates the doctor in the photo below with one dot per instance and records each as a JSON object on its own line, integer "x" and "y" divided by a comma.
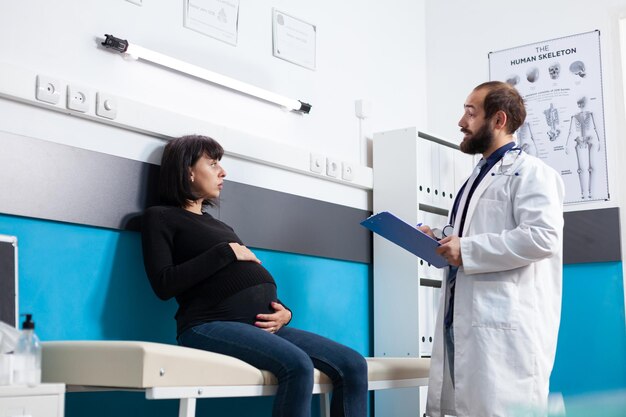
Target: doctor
{"x": 496, "y": 332}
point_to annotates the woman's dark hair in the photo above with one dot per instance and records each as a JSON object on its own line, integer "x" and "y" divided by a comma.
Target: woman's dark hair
{"x": 503, "y": 96}
{"x": 179, "y": 156}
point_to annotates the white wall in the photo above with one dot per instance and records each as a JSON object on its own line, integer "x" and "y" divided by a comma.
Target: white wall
{"x": 365, "y": 50}
{"x": 461, "y": 34}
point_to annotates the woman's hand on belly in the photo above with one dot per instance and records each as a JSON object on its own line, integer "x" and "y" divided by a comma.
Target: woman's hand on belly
{"x": 274, "y": 321}
{"x": 243, "y": 253}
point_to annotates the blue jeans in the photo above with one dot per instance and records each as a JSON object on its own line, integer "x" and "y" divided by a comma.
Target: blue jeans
{"x": 291, "y": 355}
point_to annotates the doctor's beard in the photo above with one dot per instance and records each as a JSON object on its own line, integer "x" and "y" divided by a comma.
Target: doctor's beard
{"x": 478, "y": 142}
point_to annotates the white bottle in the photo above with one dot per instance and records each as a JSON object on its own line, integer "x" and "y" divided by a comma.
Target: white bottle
{"x": 27, "y": 356}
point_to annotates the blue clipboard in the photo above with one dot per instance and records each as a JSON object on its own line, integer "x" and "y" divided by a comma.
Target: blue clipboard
{"x": 406, "y": 236}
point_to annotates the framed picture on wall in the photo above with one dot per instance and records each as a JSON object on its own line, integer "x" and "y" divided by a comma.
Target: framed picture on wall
{"x": 293, "y": 39}
{"x": 214, "y": 18}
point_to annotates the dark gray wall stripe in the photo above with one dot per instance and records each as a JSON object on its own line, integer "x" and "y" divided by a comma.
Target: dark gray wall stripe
{"x": 592, "y": 236}
{"x": 280, "y": 221}
{"x": 48, "y": 180}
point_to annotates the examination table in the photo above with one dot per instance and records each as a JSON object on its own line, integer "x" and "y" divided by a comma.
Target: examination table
{"x": 174, "y": 372}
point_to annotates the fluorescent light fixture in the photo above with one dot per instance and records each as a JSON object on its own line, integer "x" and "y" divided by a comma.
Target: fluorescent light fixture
{"x": 138, "y": 52}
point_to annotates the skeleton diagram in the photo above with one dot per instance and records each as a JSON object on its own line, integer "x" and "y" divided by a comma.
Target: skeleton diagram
{"x": 526, "y": 141}
{"x": 552, "y": 119}
{"x": 582, "y": 130}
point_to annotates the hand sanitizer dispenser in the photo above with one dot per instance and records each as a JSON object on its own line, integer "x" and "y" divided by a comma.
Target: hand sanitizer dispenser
{"x": 27, "y": 356}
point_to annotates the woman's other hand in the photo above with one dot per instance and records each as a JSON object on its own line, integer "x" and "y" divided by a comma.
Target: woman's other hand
{"x": 243, "y": 253}
{"x": 274, "y": 321}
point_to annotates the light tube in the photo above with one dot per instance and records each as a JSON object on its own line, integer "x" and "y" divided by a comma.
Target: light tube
{"x": 138, "y": 52}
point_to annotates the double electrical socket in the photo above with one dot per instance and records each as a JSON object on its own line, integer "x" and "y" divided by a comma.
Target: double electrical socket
{"x": 333, "y": 167}
{"x": 347, "y": 171}
{"x": 49, "y": 90}
{"x": 78, "y": 98}
{"x": 320, "y": 164}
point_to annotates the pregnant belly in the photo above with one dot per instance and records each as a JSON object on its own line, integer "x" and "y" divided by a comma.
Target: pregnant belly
{"x": 246, "y": 304}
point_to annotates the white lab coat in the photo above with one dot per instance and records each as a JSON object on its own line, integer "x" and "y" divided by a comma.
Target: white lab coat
{"x": 508, "y": 294}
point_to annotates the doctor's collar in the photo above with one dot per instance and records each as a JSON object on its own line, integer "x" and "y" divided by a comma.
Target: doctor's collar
{"x": 499, "y": 153}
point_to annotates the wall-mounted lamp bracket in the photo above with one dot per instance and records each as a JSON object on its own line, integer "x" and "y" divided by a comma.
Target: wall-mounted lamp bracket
{"x": 111, "y": 42}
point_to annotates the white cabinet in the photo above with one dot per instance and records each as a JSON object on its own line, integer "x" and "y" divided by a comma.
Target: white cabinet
{"x": 44, "y": 400}
{"x": 416, "y": 177}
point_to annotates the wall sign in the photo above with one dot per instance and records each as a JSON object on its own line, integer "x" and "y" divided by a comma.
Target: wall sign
{"x": 561, "y": 82}
{"x": 293, "y": 39}
{"x": 216, "y": 18}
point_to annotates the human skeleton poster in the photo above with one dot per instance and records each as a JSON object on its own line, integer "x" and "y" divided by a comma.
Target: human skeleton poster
{"x": 561, "y": 83}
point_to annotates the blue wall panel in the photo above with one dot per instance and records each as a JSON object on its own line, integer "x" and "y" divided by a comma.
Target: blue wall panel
{"x": 591, "y": 352}
{"x": 87, "y": 283}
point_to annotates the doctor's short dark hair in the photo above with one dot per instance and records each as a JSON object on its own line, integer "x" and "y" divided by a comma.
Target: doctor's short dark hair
{"x": 179, "y": 156}
{"x": 503, "y": 96}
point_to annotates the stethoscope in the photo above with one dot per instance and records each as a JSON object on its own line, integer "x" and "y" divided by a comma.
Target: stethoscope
{"x": 447, "y": 230}
{"x": 503, "y": 167}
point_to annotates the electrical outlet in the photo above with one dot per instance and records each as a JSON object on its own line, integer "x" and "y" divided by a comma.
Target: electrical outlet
{"x": 106, "y": 106}
{"x": 77, "y": 98}
{"x": 332, "y": 167}
{"x": 317, "y": 163}
{"x": 48, "y": 89}
{"x": 347, "y": 171}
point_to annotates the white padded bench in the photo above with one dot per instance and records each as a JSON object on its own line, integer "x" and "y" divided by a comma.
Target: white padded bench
{"x": 173, "y": 372}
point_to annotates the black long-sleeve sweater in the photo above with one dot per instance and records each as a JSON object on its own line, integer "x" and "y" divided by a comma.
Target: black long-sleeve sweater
{"x": 188, "y": 256}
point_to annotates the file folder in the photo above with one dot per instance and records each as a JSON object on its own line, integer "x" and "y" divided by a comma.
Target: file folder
{"x": 406, "y": 236}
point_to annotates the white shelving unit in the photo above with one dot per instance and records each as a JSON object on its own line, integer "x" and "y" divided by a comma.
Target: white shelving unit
{"x": 416, "y": 177}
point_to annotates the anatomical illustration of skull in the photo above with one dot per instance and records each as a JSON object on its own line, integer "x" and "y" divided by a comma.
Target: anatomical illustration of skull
{"x": 532, "y": 74}
{"x": 512, "y": 80}
{"x": 554, "y": 70}
{"x": 578, "y": 68}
